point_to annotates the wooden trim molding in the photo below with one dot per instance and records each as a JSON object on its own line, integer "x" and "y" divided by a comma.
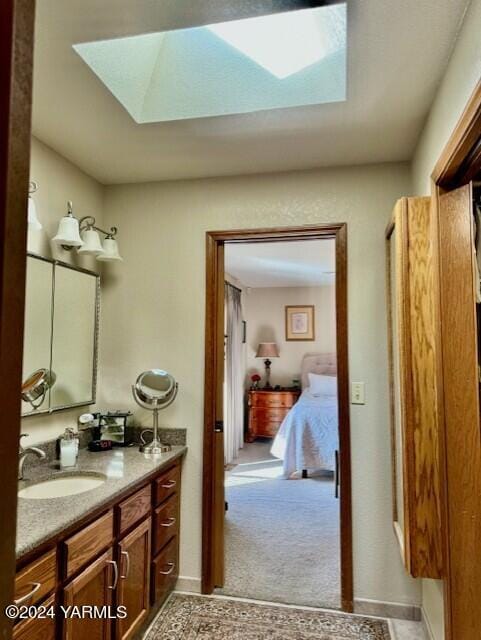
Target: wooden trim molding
{"x": 213, "y": 361}
{"x": 462, "y": 149}
{"x": 16, "y": 55}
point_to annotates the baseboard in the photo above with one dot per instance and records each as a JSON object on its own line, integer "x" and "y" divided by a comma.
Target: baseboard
{"x": 185, "y": 583}
{"x": 388, "y": 609}
{"x": 427, "y": 625}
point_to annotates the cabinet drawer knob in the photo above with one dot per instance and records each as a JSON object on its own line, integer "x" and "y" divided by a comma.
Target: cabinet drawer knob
{"x": 35, "y": 587}
{"x": 116, "y": 574}
{"x": 169, "y": 484}
{"x": 127, "y": 564}
{"x": 168, "y": 523}
{"x": 170, "y": 570}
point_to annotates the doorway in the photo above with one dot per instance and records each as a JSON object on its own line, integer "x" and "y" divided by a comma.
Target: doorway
{"x": 214, "y": 532}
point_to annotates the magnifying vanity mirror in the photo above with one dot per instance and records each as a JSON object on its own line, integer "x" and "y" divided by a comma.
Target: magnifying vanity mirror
{"x": 154, "y": 390}
{"x": 35, "y": 387}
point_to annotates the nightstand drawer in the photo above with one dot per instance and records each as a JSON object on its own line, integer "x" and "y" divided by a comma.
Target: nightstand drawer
{"x": 268, "y": 415}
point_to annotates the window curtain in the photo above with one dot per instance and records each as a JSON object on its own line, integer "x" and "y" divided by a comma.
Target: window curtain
{"x": 234, "y": 375}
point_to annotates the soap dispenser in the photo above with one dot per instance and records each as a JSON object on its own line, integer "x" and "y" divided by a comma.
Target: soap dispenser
{"x": 68, "y": 449}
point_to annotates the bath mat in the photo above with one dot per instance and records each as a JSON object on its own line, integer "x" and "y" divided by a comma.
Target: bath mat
{"x": 192, "y": 617}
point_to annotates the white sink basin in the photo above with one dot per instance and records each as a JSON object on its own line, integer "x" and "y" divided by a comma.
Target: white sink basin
{"x": 63, "y": 486}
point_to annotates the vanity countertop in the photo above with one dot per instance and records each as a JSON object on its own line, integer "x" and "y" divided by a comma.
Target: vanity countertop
{"x": 40, "y": 520}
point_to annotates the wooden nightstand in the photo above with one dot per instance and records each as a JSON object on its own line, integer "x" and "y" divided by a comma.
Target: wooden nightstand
{"x": 267, "y": 409}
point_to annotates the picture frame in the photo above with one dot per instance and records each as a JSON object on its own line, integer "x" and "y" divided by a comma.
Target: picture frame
{"x": 300, "y": 323}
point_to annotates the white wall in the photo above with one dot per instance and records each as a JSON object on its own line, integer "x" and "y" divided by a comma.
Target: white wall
{"x": 59, "y": 180}
{"x": 153, "y": 315}
{"x": 264, "y": 311}
{"x": 461, "y": 77}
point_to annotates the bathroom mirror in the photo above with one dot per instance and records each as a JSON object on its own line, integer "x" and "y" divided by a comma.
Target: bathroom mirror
{"x": 38, "y": 324}
{"x": 61, "y": 333}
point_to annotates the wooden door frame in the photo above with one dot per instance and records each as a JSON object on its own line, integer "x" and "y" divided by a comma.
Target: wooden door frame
{"x": 216, "y": 241}
{"x": 458, "y": 163}
{"x": 16, "y": 53}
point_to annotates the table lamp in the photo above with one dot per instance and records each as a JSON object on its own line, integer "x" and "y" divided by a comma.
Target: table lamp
{"x": 267, "y": 350}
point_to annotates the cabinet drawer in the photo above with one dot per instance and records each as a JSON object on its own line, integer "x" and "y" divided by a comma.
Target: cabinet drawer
{"x": 167, "y": 484}
{"x": 38, "y": 579}
{"x": 36, "y": 628}
{"x": 267, "y": 429}
{"x": 166, "y": 523}
{"x": 165, "y": 571}
{"x": 86, "y": 544}
{"x": 268, "y": 415}
{"x": 134, "y": 508}
{"x": 273, "y": 399}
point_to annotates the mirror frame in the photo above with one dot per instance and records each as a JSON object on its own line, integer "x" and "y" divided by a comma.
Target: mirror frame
{"x": 93, "y": 399}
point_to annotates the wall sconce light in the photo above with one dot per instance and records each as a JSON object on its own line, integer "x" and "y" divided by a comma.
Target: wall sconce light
{"x": 33, "y": 221}
{"x": 84, "y": 234}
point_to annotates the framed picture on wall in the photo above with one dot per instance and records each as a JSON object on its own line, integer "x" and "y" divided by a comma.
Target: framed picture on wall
{"x": 300, "y": 322}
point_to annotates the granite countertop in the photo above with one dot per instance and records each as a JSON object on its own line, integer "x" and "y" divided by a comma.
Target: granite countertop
{"x": 40, "y": 520}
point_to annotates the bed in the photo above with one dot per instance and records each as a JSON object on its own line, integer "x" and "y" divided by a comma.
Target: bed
{"x": 308, "y": 436}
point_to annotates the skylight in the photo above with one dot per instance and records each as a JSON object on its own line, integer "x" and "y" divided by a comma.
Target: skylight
{"x": 285, "y": 43}
{"x": 277, "y": 61}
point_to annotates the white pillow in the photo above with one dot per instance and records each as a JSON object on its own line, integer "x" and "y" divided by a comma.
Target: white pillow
{"x": 322, "y": 385}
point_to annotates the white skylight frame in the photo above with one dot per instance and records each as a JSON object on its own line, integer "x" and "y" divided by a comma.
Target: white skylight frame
{"x": 292, "y": 59}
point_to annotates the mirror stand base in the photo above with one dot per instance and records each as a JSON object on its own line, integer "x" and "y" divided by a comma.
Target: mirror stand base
{"x": 155, "y": 448}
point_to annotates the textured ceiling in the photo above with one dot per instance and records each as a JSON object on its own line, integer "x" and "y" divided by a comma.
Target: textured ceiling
{"x": 397, "y": 54}
{"x": 307, "y": 263}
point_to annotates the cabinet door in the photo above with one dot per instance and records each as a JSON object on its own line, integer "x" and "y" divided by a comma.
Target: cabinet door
{"x": 133, "y": 587}
{"x": 93, "y": 587}
{"x": 412, "y": 318}
{"x": 36, "y": 628}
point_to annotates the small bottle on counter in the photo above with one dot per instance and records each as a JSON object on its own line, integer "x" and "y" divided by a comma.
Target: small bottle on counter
{"x": 68, "y": 449}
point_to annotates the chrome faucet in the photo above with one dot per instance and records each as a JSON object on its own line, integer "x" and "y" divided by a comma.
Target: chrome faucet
{"x": 23, "y": 453}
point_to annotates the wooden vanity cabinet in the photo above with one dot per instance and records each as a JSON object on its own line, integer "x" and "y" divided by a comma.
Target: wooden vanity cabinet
{"x": 126, "y": 556}
{"x": 411, "y": 310}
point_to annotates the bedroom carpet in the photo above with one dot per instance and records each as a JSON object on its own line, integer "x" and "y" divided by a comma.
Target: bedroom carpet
{"x": 282, "y": 536}
{"x": 189, "y": 617}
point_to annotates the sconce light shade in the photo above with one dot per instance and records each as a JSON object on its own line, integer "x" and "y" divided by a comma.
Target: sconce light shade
{"x": 68, "y": 232}
{"x": 33, "y": 221}
{"x": 91, "y": 243}
{"x": 111, "y": 251}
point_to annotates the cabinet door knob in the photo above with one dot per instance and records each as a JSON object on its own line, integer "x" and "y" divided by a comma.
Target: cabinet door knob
{"x": 169, "y": 484}
{"x": 116, "y": 574}
{"x": 170, "y": 570}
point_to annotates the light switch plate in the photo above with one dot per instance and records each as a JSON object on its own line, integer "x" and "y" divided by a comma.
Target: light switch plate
{"x": 357, "y": 393}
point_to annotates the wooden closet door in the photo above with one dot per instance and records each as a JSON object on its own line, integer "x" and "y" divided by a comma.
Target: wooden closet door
{"x": 460, "y": 435}
{"x": 134, "y": 581}
{"x": 92, "y": 587}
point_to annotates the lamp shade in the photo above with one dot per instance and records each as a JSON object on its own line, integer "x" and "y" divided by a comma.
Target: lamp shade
{"x": 267, "y": 350}
{"x": 111, "y": 251}
{"x": 68, "y": 232}
{"x": 92, "y": 245}
{"x": 33, "y": 221}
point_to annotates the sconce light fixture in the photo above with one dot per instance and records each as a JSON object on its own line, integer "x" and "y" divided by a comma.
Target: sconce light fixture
{"x": 33, "y": 221}
{"x": 84, "y": 234}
